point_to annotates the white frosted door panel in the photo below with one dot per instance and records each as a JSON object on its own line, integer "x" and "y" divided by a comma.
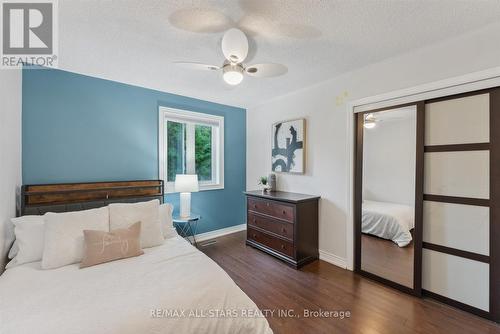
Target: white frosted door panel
{"x": 464, "y": 227}
{"x": 458, "y": 121}
{"x": 461, "y": 174}
{"x": 461, "y": 279}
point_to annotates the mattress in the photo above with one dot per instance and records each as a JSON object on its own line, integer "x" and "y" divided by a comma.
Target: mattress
{"x": 172, "y": 288}
{"x": 388, "y": 221}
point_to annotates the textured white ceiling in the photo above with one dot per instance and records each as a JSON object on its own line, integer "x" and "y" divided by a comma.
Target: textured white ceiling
{"x": 136, "y": 41}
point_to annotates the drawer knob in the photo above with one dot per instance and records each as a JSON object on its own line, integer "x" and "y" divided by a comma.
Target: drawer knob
{"x": 255, "y": 236}
{"x": 284, "y": 212}
{"x": 254, "y": 220}
{"x": 283, "y": 230}
{"x": 267, "y": 204}
{"x": 255, "y": 206}
{"x": 282, "y": 246}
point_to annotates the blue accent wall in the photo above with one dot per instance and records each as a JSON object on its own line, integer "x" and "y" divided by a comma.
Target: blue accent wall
{"x": 77, "y": 128}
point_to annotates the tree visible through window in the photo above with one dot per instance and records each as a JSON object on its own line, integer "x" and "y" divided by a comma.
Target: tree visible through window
{"x": 176, "y": 147}
{"x": 203, "y": 152}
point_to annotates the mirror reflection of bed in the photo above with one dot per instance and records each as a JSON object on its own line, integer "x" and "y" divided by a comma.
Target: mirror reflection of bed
{"x": 387, "y": 249}
{"x": 387, "y": 217}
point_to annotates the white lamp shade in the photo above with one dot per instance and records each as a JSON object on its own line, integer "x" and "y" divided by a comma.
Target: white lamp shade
{"x": 186, "y": 183}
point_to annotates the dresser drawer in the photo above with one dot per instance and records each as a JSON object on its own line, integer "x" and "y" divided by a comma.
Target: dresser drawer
{"x": 274, "y": 243}
{"x": 271, "y": 225}
{"x": 273, "y": 209}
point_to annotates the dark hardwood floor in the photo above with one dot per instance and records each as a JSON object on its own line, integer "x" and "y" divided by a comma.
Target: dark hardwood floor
{"x": 373, "y": 308}
{"x": 386, "y": 259}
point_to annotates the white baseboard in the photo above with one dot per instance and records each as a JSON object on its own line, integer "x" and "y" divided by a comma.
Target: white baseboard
{"x": 220, "y": 232}
{"x": 323, "y": 255}
{"x": 333, "y": 259}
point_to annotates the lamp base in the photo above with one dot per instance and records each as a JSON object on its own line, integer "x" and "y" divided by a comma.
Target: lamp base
{"x": 185, "y": 199}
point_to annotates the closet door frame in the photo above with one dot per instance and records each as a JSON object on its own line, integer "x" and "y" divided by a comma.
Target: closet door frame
{"x": 419, "y": 191}
{"x": 493, "y": 203}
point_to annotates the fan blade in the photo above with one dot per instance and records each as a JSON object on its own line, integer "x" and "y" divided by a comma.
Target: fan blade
{"x": 201, "y": 20}
{"x": 266, "y": 70}
{"x": 197, "y": 66}
{"x": 235, "y": 45}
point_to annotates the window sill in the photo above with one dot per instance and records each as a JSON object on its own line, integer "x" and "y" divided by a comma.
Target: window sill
{"x": 211, "y": 187}
{"x": 202, "y": 188}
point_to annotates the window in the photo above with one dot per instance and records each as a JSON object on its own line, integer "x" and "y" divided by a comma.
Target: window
{"x": 191, "y": 143}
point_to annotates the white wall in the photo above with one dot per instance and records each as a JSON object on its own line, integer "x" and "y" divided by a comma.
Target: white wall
{"x": 389, "y": 160}
{"x": 324, "y": 107}
{"x": 10, "y": 154}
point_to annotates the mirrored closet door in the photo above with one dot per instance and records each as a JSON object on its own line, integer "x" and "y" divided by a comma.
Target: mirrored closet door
{"x": 388, "y": 197}
{"x": 427, "y": 199}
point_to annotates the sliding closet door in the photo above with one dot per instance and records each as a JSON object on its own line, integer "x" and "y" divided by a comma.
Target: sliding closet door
{"x": 461, "y": 166}
{"x": 388, "y": 195}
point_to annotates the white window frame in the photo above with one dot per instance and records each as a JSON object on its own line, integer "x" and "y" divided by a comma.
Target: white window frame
{"x": 191, "y": 119}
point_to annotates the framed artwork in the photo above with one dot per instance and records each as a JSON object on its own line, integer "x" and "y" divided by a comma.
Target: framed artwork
{"x": 288, "y": 146}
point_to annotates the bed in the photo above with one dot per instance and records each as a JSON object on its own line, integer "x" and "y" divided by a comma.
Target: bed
{"x": 172, "y": 288}
{"x": 388, "y": 221}
{"x": 129, "y": 296}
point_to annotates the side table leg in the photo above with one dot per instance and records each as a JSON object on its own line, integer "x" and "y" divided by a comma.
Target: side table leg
{"x": 191, "y": 234}
{"x": 194, "y": 234}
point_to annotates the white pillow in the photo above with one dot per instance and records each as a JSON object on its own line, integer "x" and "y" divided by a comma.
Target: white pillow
{"x": 64, "y": 235}
{"x": 13, "y": 250}
{"x": 123, "y": 215}
{"x": 166, "y": 221}
{"x": 29, "y": 231}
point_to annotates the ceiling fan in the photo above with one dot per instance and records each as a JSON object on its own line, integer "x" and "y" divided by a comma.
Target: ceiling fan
{"x": 235, "y": 49}
{"x": 370, "y": 121}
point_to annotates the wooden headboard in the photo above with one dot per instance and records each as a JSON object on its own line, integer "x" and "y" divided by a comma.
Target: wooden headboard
{"x": 64, "y": 197}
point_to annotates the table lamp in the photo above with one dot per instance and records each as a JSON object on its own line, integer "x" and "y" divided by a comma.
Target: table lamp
{"x": 185, "y": 184}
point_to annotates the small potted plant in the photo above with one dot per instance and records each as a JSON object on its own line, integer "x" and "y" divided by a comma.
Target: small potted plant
{"x": 263, "y": 182}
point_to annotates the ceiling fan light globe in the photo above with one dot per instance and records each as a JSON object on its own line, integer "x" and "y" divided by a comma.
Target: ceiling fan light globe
{"x": 232, "y": 74}
{"x": 233, "y": 78}
{"x": 369, "y": 124}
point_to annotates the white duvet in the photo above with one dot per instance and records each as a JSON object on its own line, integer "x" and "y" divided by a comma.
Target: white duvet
{"x": 388, "y": 220}
{"x": 173, "y": 288}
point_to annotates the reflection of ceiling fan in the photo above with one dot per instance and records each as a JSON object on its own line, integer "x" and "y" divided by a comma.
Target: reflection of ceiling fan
{"x": 370, "y": 121}
{"x": 235, "y": 49}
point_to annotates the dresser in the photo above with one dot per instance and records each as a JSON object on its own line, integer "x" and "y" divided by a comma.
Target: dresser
{"x": 284, "y": 225}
